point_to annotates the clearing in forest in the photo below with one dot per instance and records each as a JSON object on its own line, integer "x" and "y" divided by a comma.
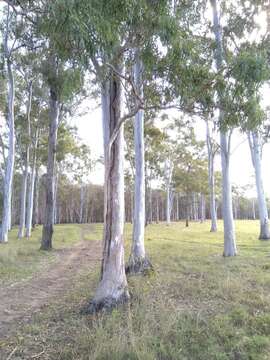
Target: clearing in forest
{"x": 197, "y": 306}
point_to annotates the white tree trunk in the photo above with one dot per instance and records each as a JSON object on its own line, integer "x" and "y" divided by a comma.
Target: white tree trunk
{"x": 26, "y": 166}
{"x": 256, "y": 156}
{"x": 31, "y": 192}
{"x": 138, "y": 262}
{"x": 211, "y": 179}
{"x": 9, "y": 171}
{"x": 168, "y": 179}
{"x": 227, "y": 211}
{"x": 112, "y": 288}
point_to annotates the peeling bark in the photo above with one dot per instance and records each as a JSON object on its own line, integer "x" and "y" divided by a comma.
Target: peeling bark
{"x": 112, "y": 289}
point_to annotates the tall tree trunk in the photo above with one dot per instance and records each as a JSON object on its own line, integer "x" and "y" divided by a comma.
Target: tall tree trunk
{"x": 26, "y": 166}
{"x": 112, "y": 289}
{"x": 47, "y": 232}
{"x": 256, "y": 156}
{"x": 168, "y": 178}
{"x": 9, "y": 171}
{"x": 138, "y": 261}
{"x": 211, "y": 179}
{"x": 202, "y": 208}
{"x": 82, "y": 198}
{"x": 31, "y": 192}
{"x": 35, "y": 216}
{"x": 227, "y": 211}
{"x": 157, "y": 209}
{"x": 253, "y": 210}
{"x": 56, "y": 178}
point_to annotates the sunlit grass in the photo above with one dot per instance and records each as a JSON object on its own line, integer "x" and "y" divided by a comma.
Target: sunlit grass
{"x": 19, "y": 259}
{"x": 197, "y": 306}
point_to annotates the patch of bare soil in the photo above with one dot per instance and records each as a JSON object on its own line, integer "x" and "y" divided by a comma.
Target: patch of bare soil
{"x": 20, "y": 302}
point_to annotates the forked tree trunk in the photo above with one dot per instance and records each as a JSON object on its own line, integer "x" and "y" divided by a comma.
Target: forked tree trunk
{"x": 227, "y": 211}
{"x": 9, "y": 171}
{"x": 47, "y": 232}
{"x": 138, "y": 261}
{"x": 256, "y": 156}
{"x": 112, "y": 289}
{"x": 211, "y": 179}
{"x": 26, "y": 166}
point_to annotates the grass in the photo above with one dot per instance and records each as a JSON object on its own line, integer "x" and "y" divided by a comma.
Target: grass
{"x": 20, "y": 259}
{"x": 197, "y": 306}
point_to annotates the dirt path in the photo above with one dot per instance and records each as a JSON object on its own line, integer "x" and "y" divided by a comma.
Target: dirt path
{"x": 18, "y": 303}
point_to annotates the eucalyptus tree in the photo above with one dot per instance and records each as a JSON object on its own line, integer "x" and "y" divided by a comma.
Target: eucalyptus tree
{"x": 225, "y": 141}
{"x": 256, "y": 145}
{"x": 138, "y": 261}
{"x": 26, "y": 152}
{"x": 8, "y": 50}
{"x": 212, "y": 149}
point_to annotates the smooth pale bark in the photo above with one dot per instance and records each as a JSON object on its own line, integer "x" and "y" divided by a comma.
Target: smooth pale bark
{"x": 138, "y": 261}
{"x": 202, "y": 208}
{"x": 31, "y": 192}
{"x": 26, "y": 166}
{"x": 9, "y": 171}
{"x": 256, "y": 156}
{"x": 227, "y": 210}
{"x": 253, "y": 210}
{"x": 35, "y": 216}
{"x": 211, "y": 179}
{"x": 112, "y": 289}
{"x": 47, "y": 232}
{"x": 55, "y": 215}
{"x": 169, "y": 198}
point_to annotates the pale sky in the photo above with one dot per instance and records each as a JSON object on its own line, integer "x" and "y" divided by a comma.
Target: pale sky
{"x": 90, "y": 130}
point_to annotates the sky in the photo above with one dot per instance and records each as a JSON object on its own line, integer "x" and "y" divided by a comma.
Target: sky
{"x": 90, "y": 131}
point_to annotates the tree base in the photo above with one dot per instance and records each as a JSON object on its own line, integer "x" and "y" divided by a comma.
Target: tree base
{"x": 264, "y": 237}
{"x": 229, "y": 254}
{"x": 139, "y": 266}
{"x": 106, "y": 304}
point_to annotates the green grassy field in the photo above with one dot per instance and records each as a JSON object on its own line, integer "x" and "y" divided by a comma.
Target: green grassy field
{"x": 19, "y": 259}
{"x": 198, "y": 305}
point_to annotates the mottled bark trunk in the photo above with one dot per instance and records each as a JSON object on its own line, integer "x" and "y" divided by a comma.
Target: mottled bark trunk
{"x": 227, "y": 211}
{"x": 46, "y": 242}
{"x": 138, "y": 261}
{"x": 256, "y": 155}
{"x": 112, "y": 289}
{"x": 9, "y": 171}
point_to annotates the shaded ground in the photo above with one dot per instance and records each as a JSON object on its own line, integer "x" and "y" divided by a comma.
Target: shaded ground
{"x": 20, "y": 301}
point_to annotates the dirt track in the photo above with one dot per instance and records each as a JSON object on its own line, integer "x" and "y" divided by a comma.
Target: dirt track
{"x": 18, "y": 303}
